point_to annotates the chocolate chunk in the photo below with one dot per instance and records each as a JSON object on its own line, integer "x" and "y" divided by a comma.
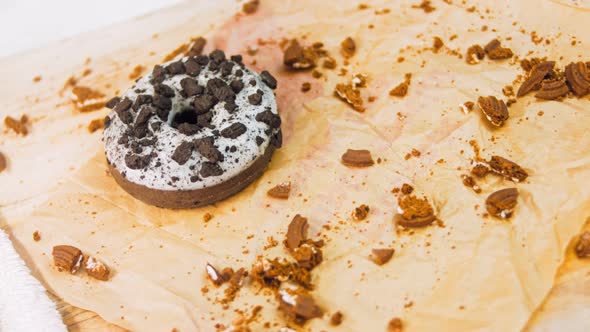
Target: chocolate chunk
{"x": 495, "y": 51}
{"x": 537, "y": 74}
{"x": 144, "y": 115}
{"x": 508, "y": 169}
{"x": 255, "y": 99}
{"x": 197, "y": 46}
{"x": 296, "y": 232}
{"x": 202, "y": 60}
{"x": 494, "y": 110}
{"x": 415, "y": 212}
{"x": 230, "y": 106}
{"x": 357, "y": 158}
{"x": 381, "y": 256}
{"x": 206, "y": 147}
{"x": 204, "y": 103}
{"x": 218, "y": 88}
{"x": 176, "y": 68}
{"x": 67, "y": 258}
{"x": 164, "y": 90}
{"x": 268, "y": 79}
{"x": 236, "y": 58}
{"x": 141, "y": 100}
{"x": 582, "y": 247}
{"x": 183, "y": 152}
{"x": 226, "y": 68}
{"x": 501, "y": 203}
{"x": 162, "y": 102}
{"x": 236, "y": 85}
{"x": 188, "y": 129}
{"x": 192, "y": 67}
{"x": 134, "y": 161}
{"x": 259, "y": 140}
{"x": 191, "y": 87}
{"x": 577, "y": 77}
{"x": 217, "y": 56}
{"x": 552, "y": 90}
{"x": 233, "y": 131}
{"x": 210, "y": 169}
{"x": 113, "y": 102}
{"x": 268, "y": 117}
{"x": 158, "y": 74}
{"x": 280, "y": 191}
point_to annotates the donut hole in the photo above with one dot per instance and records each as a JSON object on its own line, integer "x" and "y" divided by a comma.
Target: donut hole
{"x": 188, "y": 116}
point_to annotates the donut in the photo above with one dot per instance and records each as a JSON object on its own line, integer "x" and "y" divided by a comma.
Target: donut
{"x": 193, "y": 132}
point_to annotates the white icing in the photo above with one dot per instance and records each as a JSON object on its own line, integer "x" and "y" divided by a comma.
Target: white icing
{"x": 464, "y": 108}
{"x": 91, "y": 263}
{"x": 169, "y": 138}
{"x": 211, "y": 272}
{"x": 287, "y": 297}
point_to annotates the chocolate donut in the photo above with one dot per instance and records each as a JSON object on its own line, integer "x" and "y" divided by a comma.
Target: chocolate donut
{"x": 193, "y": 132}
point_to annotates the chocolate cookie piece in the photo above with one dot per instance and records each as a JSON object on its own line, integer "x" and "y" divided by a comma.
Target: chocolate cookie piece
{"x": 172, "y": 145}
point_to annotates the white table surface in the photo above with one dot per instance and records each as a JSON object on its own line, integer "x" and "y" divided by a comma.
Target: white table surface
{"x": 30, "y": 24}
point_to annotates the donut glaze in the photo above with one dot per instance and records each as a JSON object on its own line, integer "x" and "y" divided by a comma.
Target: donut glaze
{"x": 190, "y": 134}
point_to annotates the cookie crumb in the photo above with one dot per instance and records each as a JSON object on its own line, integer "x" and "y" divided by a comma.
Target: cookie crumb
{"x": 357, "y": 158}
{"x": 95, "y": 125}
{"x": 402, "y": 89}
{"x": 395, "y": 325}
{"x": 426, "y": 6}
{"x": 280, "y": 191}
{"x": 250, "y": 7}
{"x": 207, "y": 217}
{"x": 37, "y": 79}
{"x": 305, "y": 87}
{"x": 360, "y": 213}
{"x": 381, "y": 256}
{"x": 3, "y": 162}
{"x": 336, "y": 318}
{"x": 36, "y": 236}
{"x": 136, "y": 72}
{"x": 348, "y": 48}
{"x": 582, "y": 247}
{"x": 407, "y": 189}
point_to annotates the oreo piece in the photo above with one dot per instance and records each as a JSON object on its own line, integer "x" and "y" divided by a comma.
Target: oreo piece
{"x": 155, "y": 126}
{"x": 214, "y": 66}
{"x": 164, "y": 90}
{"x": 134, "y": 161}
{"x": 236, "y": 85}
{"x": 144, "y": 115}
{"x": 204, "y": 103}
{"x": 162, "y": 102}
{"x": 268, "y": 79}
{"x": 113, "y": 102}
{"x": 236, "y": 58}
{"x": 176, "y": 68}
{"x": 122, "y": 110}
{"x": 203, "y": 60}
{"x": 235, "y": 130}
{"x": 197, "y": 46}
{"x": 268, "y": 117}
{"x": 192, "y": 67}
{"x": 204, "y": 120}
{"x": 107, "y": 121}
{"x": 239, "y": 73}
{"x": 226, "y": 68}
{"x": 183, "y": 152}
{"x": 206, "y": 147}
{"x": 188, "y": 128}
{"x": 217, "y": 56}
{"x": 218, "y": 88}
{"x": 277, "y": 139}
{"x": 255, "y": 99}
{"x": 141, "y": 100}
{"x": 140, "y": 131}
{"x": 210, "y": 169}
{"x": 230, "y": 106}
{"x": 158, "y": 74}
{"x": 191, "y": 87}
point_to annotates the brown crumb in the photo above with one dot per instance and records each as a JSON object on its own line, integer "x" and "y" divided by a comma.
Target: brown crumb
{"x": 348, "y": 48}
{"x": 95, "y": 125}
{"x": 469, "y": 182}
{"x": 136, "y": 72}
{"x": 271, "y": 243}
{"x": 416, "y": 153}
{"x": 305, "y": 87}
{"x": 37, "y": 79}
{"x": 3, "y": 162}
{"x": 395, "y": 325}
{"x": 475, "y": 54}
{"x": 407, "y": 189}
{"x": 381, "y": 256}
{"x": 360, "y": 212}
{"x": 414, "y": 212}
{"x": 357, "y": 158}
{"x": 501, "y": 204}
{"x": 437, "y": 44}
{"x": 495, "y": 51}
{"x": 250, "y": 7}
{"x": 582, "y": 247}
{"x": 329, "y": 63}
{"x": 350, "y": 95}
{"x": 298, "y": 57}
{"x": 36, "y": 236}
{"x": 18, "y": 126}
{"x": 402, "y": 89}
{"x": 178, "y": 51}
{"x": 87, "y": 99}
{"x": 480, "y": 170}
{"x": 426, "y": 6}
{"x": 336, "y": 318}
{"x": 316, "y": 74}
{"x": 207, "y": 217}
{"x": 280, "y": 191}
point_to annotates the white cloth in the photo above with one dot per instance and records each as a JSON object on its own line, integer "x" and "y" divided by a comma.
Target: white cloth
{"x": 24, "y": 304}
